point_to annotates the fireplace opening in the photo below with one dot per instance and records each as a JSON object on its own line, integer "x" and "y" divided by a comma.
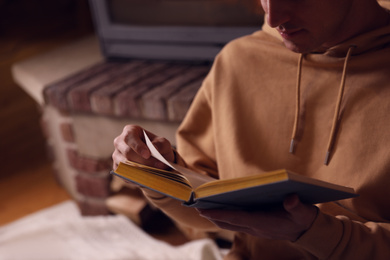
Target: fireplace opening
{"x": 193, "y": 30}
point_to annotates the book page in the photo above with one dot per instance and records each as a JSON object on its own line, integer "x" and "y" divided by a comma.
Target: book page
{"x": 154, "y": 151}
{"x": 194, "y": 178}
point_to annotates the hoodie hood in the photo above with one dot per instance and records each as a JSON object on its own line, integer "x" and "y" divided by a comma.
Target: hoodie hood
{"x": 373, "y": 40}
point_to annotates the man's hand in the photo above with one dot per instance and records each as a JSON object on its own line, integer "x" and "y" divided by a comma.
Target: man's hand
{"x": 130, "y": 145}
{"x": 287, "y": 223}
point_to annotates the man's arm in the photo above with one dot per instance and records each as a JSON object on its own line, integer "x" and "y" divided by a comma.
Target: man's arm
{"x": 130, "y": 145}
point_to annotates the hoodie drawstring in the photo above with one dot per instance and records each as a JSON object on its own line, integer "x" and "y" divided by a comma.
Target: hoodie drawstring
{"x": 338, "y": 105}
{"x": 297, "y": 104}
{"x": 337, "y": 109}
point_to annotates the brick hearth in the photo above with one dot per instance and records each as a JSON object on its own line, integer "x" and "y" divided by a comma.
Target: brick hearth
{"x": 86, "y": 101}
{"x": 134, "y": 89}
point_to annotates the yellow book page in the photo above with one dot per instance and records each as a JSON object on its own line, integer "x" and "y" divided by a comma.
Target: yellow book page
{"x": 222, "y": 186}
{"x": 194, "y": 178}
{"x": 166, "y": 185}
{"x": 173, "y": 175}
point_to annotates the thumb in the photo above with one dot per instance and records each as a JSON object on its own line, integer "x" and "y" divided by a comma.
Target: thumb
{"x": 300, "y": 213}
{"x": 292, "y": 203}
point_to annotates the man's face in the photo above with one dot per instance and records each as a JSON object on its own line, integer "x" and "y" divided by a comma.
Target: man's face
{"x": 308, "y": 25}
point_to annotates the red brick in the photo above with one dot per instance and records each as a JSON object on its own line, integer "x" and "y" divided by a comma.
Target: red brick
{"x": 126, "y": 103}
{"x": 93, "y": 186}
{"x": 90, "y": 207}
{"x": 102, "y": 99}
{"x": 153, "y": 102}
{"x": 179, "y": 103}
{"x": 88, "y": 164}
{"x": 79, "y": 97}
{"x": 56, "y": 93}
{"x": 67, "y": 132}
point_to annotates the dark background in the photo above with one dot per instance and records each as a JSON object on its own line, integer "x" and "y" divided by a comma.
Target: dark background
{"x": 27, "y": 28}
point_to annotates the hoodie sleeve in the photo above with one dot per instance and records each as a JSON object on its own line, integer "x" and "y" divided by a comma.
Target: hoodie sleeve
{"x": 187, "y": 219}
{"x": 339, "y": 238}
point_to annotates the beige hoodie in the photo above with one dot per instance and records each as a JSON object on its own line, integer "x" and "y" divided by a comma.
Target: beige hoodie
{"x": 242, "y": 120}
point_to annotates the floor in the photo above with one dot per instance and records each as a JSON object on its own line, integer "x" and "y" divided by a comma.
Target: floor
{"x": 27, "y": 191}
{"x": 27, "y": 28}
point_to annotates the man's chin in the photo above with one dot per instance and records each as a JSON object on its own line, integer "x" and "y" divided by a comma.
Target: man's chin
{"x": 298, "y": 48}
{"x": 294, "y": 48}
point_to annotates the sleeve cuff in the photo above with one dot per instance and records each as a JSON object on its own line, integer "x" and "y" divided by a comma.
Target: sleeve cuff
{"x": 323, "y": 236}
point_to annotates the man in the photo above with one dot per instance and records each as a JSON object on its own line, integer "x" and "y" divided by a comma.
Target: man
{"x": 332, "y": 110}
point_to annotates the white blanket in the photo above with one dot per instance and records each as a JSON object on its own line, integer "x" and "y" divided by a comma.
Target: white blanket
{"x": 60, "y": 233}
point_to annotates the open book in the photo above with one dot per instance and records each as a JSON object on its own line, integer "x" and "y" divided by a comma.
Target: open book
{"x": 250, "y": 192}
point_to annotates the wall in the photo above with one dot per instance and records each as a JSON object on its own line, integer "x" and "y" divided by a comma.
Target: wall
{"x": 27, "y": 28}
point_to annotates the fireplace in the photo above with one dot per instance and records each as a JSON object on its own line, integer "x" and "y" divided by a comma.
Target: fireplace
{"x": 86, "y": 100}
{"x": 192, "y": 30}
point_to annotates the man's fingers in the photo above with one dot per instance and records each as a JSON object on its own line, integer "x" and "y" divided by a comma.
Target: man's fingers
{"x": 134, "y": 141}
{"x": 164, "y": 147}
{"x": 300, "y": 213}
{"x": 116, "y": 158}
{"x": 130, "y": 145}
